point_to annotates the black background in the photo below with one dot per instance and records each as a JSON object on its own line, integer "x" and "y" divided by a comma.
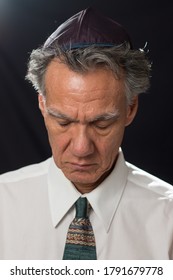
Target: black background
{"x": 25, "y": 24}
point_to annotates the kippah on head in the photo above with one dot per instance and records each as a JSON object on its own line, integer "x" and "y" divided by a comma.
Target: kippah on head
{"x": 87, "y": 28}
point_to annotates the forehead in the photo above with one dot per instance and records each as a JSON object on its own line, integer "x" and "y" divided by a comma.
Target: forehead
{"x": 98, "y": 87}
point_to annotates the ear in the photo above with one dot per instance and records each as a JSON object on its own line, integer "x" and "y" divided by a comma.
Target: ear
{"x": 131, "y": 111}
{"x": 41, "y": 103}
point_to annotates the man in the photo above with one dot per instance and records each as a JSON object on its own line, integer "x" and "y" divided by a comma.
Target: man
{"x": 88, "y": 78}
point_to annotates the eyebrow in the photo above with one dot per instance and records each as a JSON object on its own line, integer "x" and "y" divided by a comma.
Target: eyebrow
{"x": 102, "y": 117}
{"x": 58, "y": 115}
{"x": 106, "y": 116}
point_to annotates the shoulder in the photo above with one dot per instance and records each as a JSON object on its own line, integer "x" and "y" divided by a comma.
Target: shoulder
{"x": 23, "y": 185}
{"x": 142, "y": 179}
{"x": 25, "y": 173}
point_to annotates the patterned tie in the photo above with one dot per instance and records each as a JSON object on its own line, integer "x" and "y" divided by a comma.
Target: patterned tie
{"x": 80, "y": 243}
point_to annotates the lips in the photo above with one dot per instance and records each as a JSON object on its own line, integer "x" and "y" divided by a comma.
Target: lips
{"x": 81, "y": 167}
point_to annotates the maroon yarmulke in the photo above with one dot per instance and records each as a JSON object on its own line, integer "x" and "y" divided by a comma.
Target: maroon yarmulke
{"x": 86, "y": 28}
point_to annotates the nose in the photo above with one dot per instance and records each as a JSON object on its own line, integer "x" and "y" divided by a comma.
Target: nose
{"x": 81, "y": 143}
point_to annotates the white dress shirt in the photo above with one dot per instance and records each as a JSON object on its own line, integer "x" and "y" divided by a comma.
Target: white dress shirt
{"x": 132, "y": 213}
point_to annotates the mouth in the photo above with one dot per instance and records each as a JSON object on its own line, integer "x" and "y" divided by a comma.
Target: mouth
{"x": 81, "y": 167}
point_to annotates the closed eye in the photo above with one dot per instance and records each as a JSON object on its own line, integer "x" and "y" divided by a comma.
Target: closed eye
{"x": 105, "y": 121}
{"x": 64, "y": 124}
{"x": 102, "y": 125}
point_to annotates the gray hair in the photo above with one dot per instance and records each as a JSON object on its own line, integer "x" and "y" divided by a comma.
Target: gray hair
{"x": 132, "y": 64}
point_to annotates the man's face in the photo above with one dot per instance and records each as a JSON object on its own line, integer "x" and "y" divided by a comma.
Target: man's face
{"x": 85, "y": 116}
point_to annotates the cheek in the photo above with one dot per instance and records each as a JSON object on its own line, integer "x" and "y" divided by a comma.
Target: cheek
{"x": 56, "y": 139}
{"x": 108, "y": 149}
{"x": 109, "y": 146}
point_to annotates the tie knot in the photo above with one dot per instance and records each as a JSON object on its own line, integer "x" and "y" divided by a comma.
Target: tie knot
{"x": 81, "y": 207}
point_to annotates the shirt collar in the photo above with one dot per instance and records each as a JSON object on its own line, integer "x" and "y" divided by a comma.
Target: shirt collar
{"x": 104, "y": 199}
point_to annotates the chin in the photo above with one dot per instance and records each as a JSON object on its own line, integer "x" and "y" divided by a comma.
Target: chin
{"x": 83, "y": 179}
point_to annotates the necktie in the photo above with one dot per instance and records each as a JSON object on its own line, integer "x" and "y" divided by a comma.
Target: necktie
{"x": 80, "y": 242}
